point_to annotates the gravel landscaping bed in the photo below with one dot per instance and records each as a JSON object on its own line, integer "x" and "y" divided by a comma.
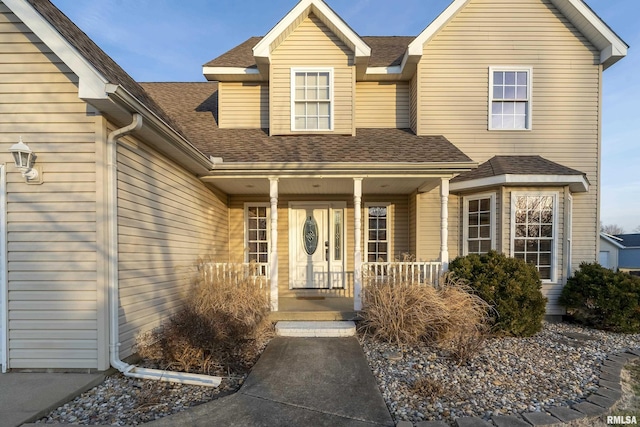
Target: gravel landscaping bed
{"x": 557, "y": 367}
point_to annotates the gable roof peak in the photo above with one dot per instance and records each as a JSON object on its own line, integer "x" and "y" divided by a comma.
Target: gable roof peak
{"x": 262, "y": 50}
{"x": 612, "y": 48}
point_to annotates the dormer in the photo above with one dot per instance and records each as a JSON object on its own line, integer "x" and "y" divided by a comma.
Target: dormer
{"x": 310, "y": 60}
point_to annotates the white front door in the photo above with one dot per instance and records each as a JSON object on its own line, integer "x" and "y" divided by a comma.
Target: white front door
{"x": 316, "y": 237}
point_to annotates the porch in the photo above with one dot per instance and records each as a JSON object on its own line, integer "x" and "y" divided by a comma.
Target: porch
{"x": 328, "y": 303}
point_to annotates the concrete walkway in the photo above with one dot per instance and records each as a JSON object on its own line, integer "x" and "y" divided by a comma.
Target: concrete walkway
{"x": 25, "y": 397}
{"x": 298, "y": 382}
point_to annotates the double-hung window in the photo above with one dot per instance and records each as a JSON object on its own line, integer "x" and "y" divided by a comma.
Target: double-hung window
{"x": 479, "y": 223}
{"x": 311, "y": 99}
{"x": 377, "y": 233}
{"x": 533, "y": 237}
{"x": 509, "y": 98}
{"x": 257, "y": 232}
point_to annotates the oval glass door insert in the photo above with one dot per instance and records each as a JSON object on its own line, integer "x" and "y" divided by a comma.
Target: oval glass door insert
{"x": 310, "y": 235}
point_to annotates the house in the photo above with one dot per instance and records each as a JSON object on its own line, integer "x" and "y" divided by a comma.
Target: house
{"x": 319, "y": 154}
{"x": 620, "y": 252}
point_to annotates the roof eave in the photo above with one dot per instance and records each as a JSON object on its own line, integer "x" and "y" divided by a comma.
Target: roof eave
{"x": 342, "y": 168}
{"x": 612, "y": 47}
{"x": 576, "y": 183}
{"x": 611, "y": 239}
{"x": 171, "y": 141}
{"x": 92, "y": 84}
{"x": 235, "y": 74}
{"x": 417, "y": 45}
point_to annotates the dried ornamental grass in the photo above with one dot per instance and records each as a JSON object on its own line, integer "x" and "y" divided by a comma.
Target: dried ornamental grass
{"x": 450, "y": 317}
{"x": 222, "y": 326}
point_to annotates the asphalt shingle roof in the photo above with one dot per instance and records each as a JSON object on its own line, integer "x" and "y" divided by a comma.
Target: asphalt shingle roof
{"x": 516, "y": 165}
{"x": 194, "y": 106}
{"x": 386, "y": 51}
{"x": 630, "y": 240}
{"x": 96, "y": 56}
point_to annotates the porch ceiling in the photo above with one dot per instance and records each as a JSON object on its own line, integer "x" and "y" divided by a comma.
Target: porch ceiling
{"x": 311, "y": 185}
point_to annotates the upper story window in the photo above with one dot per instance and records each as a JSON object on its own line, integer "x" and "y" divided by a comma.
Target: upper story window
{"x": 509, "y": 98}
{"x": 311, "y": 99}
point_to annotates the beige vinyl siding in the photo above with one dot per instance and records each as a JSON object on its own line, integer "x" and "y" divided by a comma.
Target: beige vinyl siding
{"x": 382, "y": 105}
{"x": 312, "y": 44}
{"x": 429, "y": 226}
{"x": 167, "y": 221}
{"x": 454, "y": 77}
{"x": 243, "y": 105}
{"x": 399, "y": 211}
{"x": 51, "y": 228}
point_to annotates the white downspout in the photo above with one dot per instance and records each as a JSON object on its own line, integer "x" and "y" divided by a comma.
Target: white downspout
{"x": 112, "y": 253}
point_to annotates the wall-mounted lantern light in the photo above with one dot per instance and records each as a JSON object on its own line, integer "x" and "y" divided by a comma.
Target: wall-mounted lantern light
{"x": 24, "y": 159}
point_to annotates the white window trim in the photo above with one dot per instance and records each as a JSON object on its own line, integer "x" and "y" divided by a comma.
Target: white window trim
{"x": 389, "y": 229}
{"x": 554, "y": 244}
{"x": 465, "y": 216}
{"x": 293, "y": 97}
{"x": 4, "y": 294}
{"x": 245, "y": 242}
{"x": 529, "y": 121}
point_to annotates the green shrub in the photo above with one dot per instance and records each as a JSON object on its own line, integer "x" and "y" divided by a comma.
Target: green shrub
{"x": 511, "y": 286}
{"x": 596, "y": 296}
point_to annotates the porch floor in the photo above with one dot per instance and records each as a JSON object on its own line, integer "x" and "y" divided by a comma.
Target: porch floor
{"x": 314, "y": 308}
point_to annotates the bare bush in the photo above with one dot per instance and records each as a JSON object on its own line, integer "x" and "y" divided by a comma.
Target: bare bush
{"x": 222, "y": 326}
{"x": 449, "y": 317}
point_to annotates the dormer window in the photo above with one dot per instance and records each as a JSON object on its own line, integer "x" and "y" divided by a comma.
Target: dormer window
{"x": 311, "y": 99}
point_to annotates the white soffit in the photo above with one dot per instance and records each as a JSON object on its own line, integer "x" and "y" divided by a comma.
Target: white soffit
{"x": 326, "y": 15}
{"x": 92, "y": 83}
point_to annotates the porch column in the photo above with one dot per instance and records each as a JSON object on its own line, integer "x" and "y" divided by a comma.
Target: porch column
{"x": 273, "y": 253}
{"x": 444, "y": 223}
{"x": 357, "y": 251}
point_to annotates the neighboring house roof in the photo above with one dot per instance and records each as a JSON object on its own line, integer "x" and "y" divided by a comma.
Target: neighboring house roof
{"x": 615, "y": 241}
{"x": 386, "y": 51}
{"x": 194, "y": 105}
{"x": 629, "y": 240}
{"x": 520, "y": 170}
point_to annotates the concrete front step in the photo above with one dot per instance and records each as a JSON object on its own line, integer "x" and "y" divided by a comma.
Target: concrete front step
{"x": 276, "y": 316}
{"x": 315, "y": 329}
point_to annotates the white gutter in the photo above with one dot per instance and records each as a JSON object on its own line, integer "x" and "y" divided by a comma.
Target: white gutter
{"x": 112, "y": 253}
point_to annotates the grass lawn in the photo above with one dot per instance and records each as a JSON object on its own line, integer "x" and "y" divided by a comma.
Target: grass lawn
{"x": 629, "y": 405}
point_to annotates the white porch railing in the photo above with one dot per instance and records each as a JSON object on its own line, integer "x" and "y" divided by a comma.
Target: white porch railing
{"x": 255, "y": 272}
{"x": 424, "y": 273}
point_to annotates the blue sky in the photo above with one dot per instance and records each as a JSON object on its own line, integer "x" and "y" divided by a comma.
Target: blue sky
{"x": 169, "y": 40}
